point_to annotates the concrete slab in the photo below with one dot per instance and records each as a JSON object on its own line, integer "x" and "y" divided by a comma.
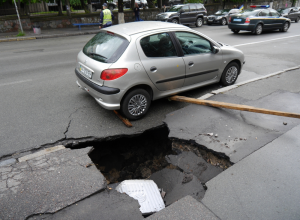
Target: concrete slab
{"x": 177, "y": 185}
{"x": 186, "y": 208}
{"x": 40, "y": 153}
{"x": 107, "y": 205}
{"x": 265, "y": 185}
{"x": 191, "y": 163}
{"x": 239, "y": 133}
{"x": 47, "y": 183}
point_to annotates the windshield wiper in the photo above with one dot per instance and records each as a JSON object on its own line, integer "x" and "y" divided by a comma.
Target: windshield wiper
{"x": 97, "y": 55}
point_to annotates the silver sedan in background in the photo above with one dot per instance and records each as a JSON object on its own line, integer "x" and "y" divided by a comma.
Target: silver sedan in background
{"x": 125, "y": 67}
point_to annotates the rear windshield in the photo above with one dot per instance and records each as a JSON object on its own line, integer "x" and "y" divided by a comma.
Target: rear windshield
{"x": 283, "y": 10}
{"x": 105, "y": 47}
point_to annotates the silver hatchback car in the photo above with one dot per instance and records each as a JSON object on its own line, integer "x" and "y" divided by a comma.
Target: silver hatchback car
{"x": 124, "y": 67}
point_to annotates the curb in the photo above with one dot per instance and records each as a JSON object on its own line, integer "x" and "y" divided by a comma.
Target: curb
{"x": 226, "y": 89}
{"x": 47, "y": 36}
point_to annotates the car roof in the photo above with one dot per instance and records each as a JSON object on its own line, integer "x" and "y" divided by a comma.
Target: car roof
{"x": 132, "y": 28}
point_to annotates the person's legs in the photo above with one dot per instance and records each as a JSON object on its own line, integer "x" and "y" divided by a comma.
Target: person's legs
{"x": 137, "y": 18}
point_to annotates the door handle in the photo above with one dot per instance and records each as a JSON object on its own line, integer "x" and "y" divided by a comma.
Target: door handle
{"x": 153, "y": 69}
{"x": 191, "y": 63}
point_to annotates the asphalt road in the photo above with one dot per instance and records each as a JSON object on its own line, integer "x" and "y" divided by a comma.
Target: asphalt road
{"x": 42, "y": 105}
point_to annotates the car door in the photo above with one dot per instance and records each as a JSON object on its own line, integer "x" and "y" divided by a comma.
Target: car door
{"x": 200, "y": 63}
{"x": 185, "y": 14}
{"x": 277, "y": 22}
{"x": 193, "y": 13}
{"x": 265, "y": 17}
{"x": 159, "y": 58}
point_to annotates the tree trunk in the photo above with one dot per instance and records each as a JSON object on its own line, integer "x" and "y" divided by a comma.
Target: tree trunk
{"x": 68, "y": 8}
{"x": 159, "y": 4}
{"x": 151, "y": 4}
{"x": 59, "y": 3}
{"x": 84, "y": 6}
{"x": 132, "y": 4}
{"x": 120, "y": 6}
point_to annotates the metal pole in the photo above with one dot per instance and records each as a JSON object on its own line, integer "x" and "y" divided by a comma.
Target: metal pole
{"x": 18, "y": 15}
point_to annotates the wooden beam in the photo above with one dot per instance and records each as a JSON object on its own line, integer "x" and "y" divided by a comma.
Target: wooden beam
{"x": 233, "y": 106}
{"x": 124, "y": 120}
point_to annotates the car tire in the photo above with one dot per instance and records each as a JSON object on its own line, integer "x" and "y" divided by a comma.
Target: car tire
{"x": 224, "y": 21}
{"x": 135, "y": 104}
{"x": 235, "y": 31}
{"x": 111, "y": 7}
{"x": 258, "y": 29}
{"x": 175, "y": 21}
{"x": 230, "y": 74}
{"x": 285, "y": 27}
{"x": 297, "y": 19}
{"x": 199, "y": 22}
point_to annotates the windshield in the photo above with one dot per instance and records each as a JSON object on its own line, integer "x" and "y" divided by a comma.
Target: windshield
{"x": 105, "y": 47}
{"x": 222, "y": 12}
{"x": 175, "y": 8}
{"x": 283, "y": 10}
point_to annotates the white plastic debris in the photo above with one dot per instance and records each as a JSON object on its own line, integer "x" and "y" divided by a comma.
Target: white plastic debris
{"x": 146, "y": 192}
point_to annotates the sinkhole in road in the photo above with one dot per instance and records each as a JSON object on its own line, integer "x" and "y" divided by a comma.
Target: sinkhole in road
{"x": 132, "y": 156}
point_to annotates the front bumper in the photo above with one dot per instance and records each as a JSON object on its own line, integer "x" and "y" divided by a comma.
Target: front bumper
{"x": 245, "y": 27}
{"x": 107, "y": 97}
{"x": 214, "y": 21}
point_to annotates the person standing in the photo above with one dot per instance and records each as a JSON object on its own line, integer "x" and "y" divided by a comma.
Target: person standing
{"x": 137, "y": 12}
{"x": 106, "y": 17}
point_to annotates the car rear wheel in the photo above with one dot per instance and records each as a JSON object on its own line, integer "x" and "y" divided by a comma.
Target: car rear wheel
{"x": 285, "y": 27}
{"x": 235, "y": 31}
{"x": 258, "y": 29}
{"x": 135, "y": 104}
{"x": 199, "y": 22}
{"x": 230, "y": 74}
{"x": 175, "y": 21}
{"x": 224, "y": 21}
{"x": 297, "y": 19}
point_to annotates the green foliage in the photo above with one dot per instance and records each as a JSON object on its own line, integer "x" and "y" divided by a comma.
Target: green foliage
{"x": 20, "y": 34}
{"x": 193, "y": 1}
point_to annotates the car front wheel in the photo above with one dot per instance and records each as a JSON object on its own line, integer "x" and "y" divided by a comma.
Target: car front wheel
{"x": 175, "y": 21}
{"x": 230, "y": 74}
{"x": 199, "y": 22}
{"x": 135, "y": 104}
{"x": 285, "y": 27}
{"x": 224, "y": 22}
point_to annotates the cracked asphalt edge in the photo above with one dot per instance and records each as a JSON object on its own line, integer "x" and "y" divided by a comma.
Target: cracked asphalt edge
{"x": 45, "y": 149}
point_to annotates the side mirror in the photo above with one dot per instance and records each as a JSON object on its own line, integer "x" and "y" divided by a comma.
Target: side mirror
{"x": 181, "y": 11}
{"x": 215, "y": 50}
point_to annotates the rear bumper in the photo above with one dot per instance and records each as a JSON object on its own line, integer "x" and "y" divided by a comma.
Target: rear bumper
{"x": 105, "y": 96}
{"x": 245, "y": 27}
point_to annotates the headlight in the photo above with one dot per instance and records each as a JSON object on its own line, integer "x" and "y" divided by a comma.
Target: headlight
{"x": 219, "y": 17}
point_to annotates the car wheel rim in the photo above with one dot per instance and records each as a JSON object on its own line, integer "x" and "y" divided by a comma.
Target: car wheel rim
{"x": 137, "y": 105}
{"x": 286, "y": 26}
{"x": 231, "y": 74}
{"x": 223, "y": 21}
{"x": 199, "y": 22}
{"x": 175, "y": 21}
{"x": 259, "y": 29}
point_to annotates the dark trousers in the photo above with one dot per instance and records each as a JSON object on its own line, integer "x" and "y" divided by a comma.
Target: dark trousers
{"x": 137, "y": 17}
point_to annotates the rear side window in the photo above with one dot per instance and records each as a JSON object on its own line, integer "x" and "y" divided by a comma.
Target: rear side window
{"x": 105, "y": 47}
{"x": 200, "y": 7}
{"x": 274, "y": 13}
{"x": 158, "y": 45}
{"x": 185, "y": 8}
{"x": 193, "y": 8}
{"x": 264, "y": 13}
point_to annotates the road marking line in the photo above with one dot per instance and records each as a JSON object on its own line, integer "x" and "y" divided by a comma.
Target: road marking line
{"x": 258, "y": 42}
{"x": 12, "y": 83}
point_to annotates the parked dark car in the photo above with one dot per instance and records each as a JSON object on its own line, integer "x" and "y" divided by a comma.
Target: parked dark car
{"x": 185, "y": 14}
{"x": 258, "y": 20}
{"x": 221, "y": 16}
{"x": 291, "y": 13}
{"x": 96, "y": 4}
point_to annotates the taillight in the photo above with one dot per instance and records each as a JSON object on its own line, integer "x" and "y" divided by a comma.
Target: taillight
{"x": 247, "y": 20}
{"x": 111, "y": 74}
{"x": 229, "y": 19}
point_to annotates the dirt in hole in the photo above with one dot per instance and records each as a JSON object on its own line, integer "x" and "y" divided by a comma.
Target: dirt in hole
{"x": 133, "y": 157}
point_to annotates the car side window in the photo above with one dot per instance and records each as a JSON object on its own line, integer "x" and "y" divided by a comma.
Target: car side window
{"x": 274, "y": 13}
{"x": 264, "y": 13}
{"x": 200, "y": 7}
{"x": 185, "y": 8}
{"x": 158, "y": 45}
{"x": 193, "y": 43}
{"x": 193, "y": 8}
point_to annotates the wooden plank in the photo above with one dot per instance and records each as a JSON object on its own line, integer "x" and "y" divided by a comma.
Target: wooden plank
{"x": 124, "y": 120}
{"x": 233, "y": 106}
